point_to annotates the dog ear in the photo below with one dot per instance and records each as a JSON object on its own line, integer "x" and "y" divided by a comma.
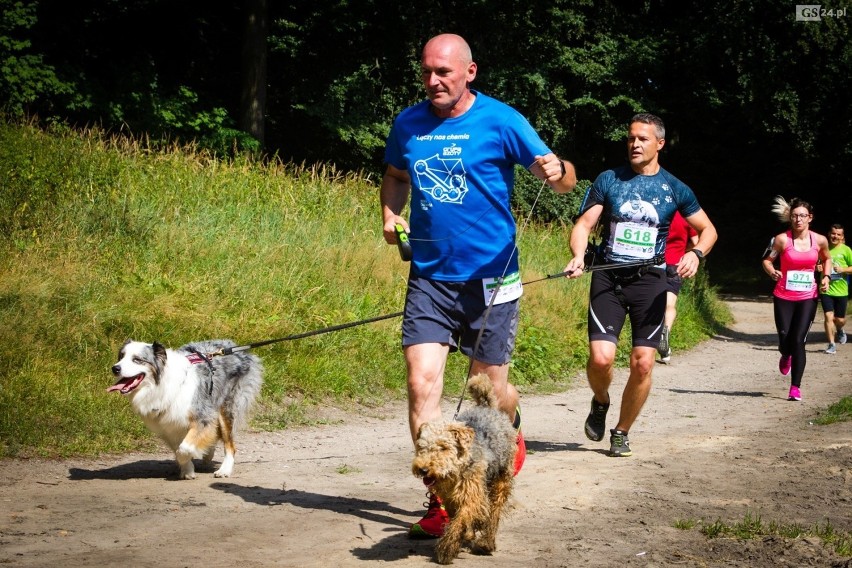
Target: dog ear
{"x": 463, "y": 436}
{"x": 160, "y": 358}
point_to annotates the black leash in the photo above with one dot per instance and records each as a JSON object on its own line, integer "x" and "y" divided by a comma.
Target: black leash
{"x": 659, "y": 259}
{"x": 494, "y": 296}
{"x": 613, "y": 266}
{"x": 237, "y": 349}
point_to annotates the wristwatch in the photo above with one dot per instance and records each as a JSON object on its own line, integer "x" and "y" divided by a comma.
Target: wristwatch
{"x": 698, "y": 252}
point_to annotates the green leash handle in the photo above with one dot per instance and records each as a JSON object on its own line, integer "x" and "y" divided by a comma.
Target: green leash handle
{"x": 403, "y": 243}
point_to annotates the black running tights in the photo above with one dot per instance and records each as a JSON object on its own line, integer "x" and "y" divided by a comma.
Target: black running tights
{"x": 793, "y": 321}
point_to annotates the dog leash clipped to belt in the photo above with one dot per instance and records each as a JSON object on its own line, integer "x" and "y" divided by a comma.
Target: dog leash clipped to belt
{"x": 659, "y": 259}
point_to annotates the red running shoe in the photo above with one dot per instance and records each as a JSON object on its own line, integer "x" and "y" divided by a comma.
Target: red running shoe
{"x": 432, "y": 525}
{"x": 521, "y": 454}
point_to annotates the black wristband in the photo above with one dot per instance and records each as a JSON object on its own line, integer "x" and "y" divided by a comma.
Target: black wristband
{"x": 698, "y": 252}
{"x": 562, "y": 165}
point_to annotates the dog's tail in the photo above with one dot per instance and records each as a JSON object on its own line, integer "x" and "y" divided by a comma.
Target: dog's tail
{"x": 482, "y": 391}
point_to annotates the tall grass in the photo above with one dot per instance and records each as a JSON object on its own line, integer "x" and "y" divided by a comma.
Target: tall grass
{"x": 105, "y": 240}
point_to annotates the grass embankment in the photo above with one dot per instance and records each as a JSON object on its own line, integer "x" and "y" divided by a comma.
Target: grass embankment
{"x": 105, "y": 240}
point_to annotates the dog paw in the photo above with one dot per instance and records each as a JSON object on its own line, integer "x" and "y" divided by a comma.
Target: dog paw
{"x": 446, "y": 551}
{"x": 187, "y": 470}
{"x": 482, "y": 548}
{"x": 226, "y": 467}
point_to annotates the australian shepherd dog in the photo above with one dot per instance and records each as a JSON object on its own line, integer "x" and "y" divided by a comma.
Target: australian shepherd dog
{"x": 188, "y": 397}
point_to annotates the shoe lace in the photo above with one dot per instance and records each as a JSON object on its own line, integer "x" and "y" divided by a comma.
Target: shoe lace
{"x": 433, "y": 505}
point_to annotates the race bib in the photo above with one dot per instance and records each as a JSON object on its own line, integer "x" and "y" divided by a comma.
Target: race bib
{"x": 634, "y": 239}
{"x": 834, "y": 275}
{"x": 511, "y": 289}
{"x": 800, "y": 280}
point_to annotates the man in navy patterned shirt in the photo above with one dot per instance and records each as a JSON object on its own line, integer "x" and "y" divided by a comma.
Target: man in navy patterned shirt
{"x": 635, "y": 205}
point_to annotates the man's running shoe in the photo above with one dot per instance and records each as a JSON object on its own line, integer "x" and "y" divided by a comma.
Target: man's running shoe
{"x": 596, "y": 421}
{"x": 785, "y": 364}
{"x": 619, "y": 444}
{"x": 831, "y": 349}
{"x": 841, "y": 337}
{"x": 521, "y": 454}
{"x": 795, "y": 394}
{"x": 663, "y": 348}
{"x": 432, "y": 525}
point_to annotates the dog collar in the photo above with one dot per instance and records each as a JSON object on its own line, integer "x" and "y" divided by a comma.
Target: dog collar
{"x": 195, "y": 358}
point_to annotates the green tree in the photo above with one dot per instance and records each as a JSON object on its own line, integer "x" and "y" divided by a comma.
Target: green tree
{"x": 25, "y": 78}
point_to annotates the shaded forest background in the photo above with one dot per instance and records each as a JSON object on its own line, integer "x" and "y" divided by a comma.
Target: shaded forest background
{"x": 756, "y": 103}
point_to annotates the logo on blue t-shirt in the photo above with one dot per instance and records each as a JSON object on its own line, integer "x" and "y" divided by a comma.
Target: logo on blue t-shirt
{"x": 443, "y": 179}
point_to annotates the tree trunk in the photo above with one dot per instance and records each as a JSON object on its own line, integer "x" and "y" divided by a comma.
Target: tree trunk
{"x": 253, "y": 95}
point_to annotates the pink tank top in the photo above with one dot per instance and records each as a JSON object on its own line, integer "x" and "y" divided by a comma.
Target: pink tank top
{"x": 797, "y": 272}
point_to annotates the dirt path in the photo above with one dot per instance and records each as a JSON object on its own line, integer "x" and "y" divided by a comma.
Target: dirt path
{"x": 716, "y": 440}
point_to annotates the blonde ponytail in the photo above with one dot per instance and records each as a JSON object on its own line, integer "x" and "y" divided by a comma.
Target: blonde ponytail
{"x": 782, "y": 209}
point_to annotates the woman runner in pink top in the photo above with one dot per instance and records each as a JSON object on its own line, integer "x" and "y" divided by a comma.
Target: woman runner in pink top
{"x": 795, "y": 295}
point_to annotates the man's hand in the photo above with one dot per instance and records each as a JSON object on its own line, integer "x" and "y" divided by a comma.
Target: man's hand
{"x": 688, "y": 265}
{"x": 574, "y": 268}
{"x": 558, "y": 173}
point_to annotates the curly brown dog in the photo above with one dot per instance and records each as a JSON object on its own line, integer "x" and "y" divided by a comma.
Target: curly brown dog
{"x": 469, "y": 464}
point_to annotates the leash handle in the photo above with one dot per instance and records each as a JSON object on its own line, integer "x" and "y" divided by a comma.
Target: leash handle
{"x": 403, "y": 243}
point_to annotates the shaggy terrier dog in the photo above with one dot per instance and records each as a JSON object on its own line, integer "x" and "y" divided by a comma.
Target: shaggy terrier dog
{"x": 469, "y": 465}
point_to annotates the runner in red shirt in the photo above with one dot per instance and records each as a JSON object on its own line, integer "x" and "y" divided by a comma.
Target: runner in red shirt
{"x": 681, "y": 238}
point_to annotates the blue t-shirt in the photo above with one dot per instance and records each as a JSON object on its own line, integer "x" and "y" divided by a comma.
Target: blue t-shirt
{"x": 637, "y": 211}
{"x": 462, "y": 177}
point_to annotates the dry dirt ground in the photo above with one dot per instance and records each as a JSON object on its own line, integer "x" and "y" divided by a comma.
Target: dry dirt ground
{"x": 717, "y": 441}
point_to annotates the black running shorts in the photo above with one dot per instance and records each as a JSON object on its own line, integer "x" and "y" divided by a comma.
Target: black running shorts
{"x": 612, "y": 299}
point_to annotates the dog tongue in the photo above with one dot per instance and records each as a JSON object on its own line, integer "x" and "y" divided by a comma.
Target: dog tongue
{"x": 125, "y": 385}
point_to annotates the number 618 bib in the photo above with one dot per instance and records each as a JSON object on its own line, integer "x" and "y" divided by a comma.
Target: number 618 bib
{"x": 634, "y": 239}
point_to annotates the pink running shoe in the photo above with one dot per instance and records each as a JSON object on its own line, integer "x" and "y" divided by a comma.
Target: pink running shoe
{"x": 785, "y": 364}
{"x": 794, "y": 393}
